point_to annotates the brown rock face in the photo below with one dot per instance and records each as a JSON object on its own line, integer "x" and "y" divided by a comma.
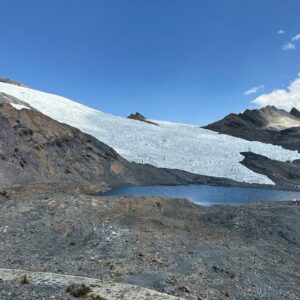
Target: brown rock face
{"x": 268, "y": 125}
{"x": 37, "y": 149}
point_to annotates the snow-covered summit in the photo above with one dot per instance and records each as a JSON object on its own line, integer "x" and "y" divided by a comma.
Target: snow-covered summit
{"x": 169, "y": 145}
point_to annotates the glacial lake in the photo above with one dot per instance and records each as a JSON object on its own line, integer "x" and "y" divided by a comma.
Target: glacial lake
{"x": 205, "y": 194}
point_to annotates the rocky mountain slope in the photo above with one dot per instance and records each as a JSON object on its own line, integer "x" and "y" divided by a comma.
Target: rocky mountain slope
{"x": 267, "y": 125}
{"x": 284, "y": 174}
{"x": 36, "y": 150}
{"x": 169, "y": 145}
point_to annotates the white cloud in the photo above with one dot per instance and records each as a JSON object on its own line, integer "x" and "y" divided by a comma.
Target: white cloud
{"x": 288, "y": 46}
{"x": 281, "y": 31}
{"x": 254, "y": 90}
{"x": 282, "y": 98}
{"x": 296, "y": 37}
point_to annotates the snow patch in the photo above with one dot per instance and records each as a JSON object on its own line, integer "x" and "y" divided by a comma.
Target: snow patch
{"x": 18, "y": 106}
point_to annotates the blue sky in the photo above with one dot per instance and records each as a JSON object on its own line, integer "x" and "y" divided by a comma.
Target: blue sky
{"x": 179, "y": 60}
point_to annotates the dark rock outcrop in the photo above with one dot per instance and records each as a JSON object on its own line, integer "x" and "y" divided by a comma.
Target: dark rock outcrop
{"x": 295, "y": 112}
{"x": 283, "y": 174}
{"x": 267, "y": 125}
{"x": 139, "y": 117}
{"x": 7, "y": 80}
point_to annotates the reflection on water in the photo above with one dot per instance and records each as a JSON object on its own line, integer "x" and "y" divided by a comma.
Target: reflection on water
{"x": 205, "y": 194}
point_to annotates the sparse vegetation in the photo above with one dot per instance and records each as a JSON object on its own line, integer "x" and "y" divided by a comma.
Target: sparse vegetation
{"x": 82, "y": 291}
{"x": 78, "y": 290}
{"x": 25, "y": 280}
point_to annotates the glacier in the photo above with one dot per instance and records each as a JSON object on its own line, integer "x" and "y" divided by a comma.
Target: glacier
{"x": 169, "y": 145}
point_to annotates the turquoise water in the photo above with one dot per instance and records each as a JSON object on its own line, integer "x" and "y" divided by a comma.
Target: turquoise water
{"x": 205, "y": 194}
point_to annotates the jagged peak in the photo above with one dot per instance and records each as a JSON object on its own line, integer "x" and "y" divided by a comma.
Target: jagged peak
{"x": 139, "y": 117}
{"x": 136, "y": 115}
{"x": 268, "y": 117}
{"x": 295, "y": 112}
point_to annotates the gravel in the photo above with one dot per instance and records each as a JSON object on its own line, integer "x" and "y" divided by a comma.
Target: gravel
{"x": 170, "y": 245}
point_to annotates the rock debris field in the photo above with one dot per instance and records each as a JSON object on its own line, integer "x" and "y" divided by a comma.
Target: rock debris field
{"x": 147, "y": 245}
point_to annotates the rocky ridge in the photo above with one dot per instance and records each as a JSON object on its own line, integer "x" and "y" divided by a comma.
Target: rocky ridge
{"x": 7, "y": 80}
{"x": 139, "y": 117}
{"x": 267, "y": 125}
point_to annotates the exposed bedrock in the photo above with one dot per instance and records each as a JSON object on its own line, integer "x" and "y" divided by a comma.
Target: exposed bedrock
{"x": 283, "y": 174}
{"x": 267, "y": 125}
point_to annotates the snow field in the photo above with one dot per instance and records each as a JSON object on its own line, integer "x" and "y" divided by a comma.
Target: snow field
{"x": 169, "y": 145}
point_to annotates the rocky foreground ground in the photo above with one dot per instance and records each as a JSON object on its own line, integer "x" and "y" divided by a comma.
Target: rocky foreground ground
{"x": 168, "y": 245}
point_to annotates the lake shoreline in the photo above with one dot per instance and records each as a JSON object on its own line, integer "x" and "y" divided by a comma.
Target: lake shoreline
{"x": 204, "y": 194}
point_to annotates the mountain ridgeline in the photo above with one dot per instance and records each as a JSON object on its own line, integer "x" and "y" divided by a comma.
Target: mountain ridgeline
{"x": 266, "y": 125}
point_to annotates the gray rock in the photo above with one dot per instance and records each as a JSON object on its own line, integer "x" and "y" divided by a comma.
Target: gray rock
{"x": 247, "y": 252}
{"x": 7, "y": 80}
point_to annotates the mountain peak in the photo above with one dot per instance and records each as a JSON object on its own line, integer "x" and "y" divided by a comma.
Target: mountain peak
{"x": 139, "y": 117}
{"x": 268, "y": 125}
{"x": 268, "y": 117}
{"x": 295, "y": 112}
